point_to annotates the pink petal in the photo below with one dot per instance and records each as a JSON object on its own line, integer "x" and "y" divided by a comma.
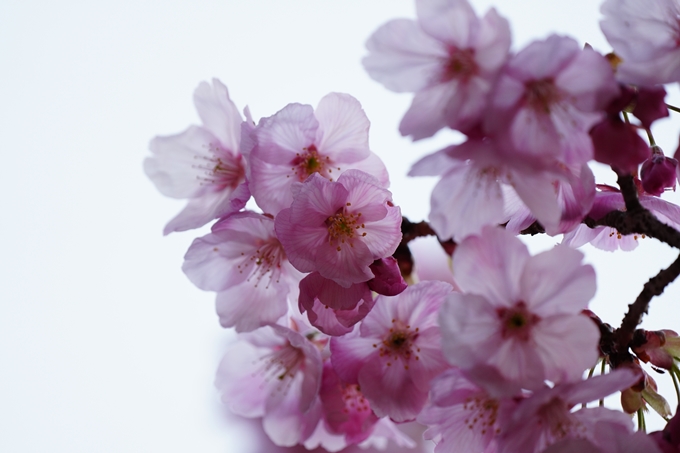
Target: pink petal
{"x": 500, "y": 257}
{"x": 282, "y": 136}
{"x": 556, "y": 281}
{"x": 343, "y": 128}
{"x": 266, "y": 303}
{"x": 402, "y": 57}
{"x": 175, "y": 167}
{"x": 450, "y": 21}
{"x": 466, "y": 199}
{"x": 218, "y": 113}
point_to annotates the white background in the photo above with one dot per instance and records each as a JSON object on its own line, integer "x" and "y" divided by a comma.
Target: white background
{"x": 104, "y": 344}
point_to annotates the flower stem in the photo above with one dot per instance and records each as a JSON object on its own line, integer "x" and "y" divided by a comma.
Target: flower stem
{"x": 674, "y": 376}
{"x": 672, "y": 107}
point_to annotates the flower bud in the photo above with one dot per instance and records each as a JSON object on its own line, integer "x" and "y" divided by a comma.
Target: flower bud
{"x": 658, "y": 173}
{"x": 388, "y": 280}
{"x": 649, "y": 105}
{"x": 618, "y": 144}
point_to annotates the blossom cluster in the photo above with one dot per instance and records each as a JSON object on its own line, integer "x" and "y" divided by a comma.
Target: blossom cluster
{"x": 345, "y": 332}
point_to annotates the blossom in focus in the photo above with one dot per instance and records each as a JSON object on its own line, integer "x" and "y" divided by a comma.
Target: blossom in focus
{"x": 548, "y": 97}
{"x": 275, "y": 373}
{"x": 244, "y": 262}
{"x": 202, "y": 163}
{"x": 298, "y": 141}
{"x": 449, "y": 57}
{"x": 523, "y": 318}
{"x": 646, "y": 37}
{"x": 340, "y": 228}
{"x": 395, "y": 351}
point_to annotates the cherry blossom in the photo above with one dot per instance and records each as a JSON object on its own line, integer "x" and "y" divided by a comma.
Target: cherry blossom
{"x": 202, "y": 163}
{"x": 524, "y": 317}
{"x": 396, "y": 351}
{"x": 547, "y": 417}
{"x": 548, "y": 97}
{"x": 274, "y": 373}
{"x": 461, "y": 416}
{"x": 471, "y": 193}
{"x": 449, "y": 57}
{"x": 244, "y": 262}
{"x": 299, "y": 141}
{"x": 340, "y": 228}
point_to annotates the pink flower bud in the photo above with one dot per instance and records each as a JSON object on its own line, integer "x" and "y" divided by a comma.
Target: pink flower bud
{"x": 658, "y": 173}
{"x": 388, "y": 280}
{"x": 618, "y": 144}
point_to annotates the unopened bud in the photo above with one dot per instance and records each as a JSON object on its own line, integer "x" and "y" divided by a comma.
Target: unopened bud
{"x": 658, "y": 173}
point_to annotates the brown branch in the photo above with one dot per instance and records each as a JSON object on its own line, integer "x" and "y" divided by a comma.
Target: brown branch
{"x": 623, "y": 336}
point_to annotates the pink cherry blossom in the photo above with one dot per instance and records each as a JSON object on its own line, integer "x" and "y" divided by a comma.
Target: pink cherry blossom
{"x": 546, "y": 417}
{"x": 449, "y": 57}
{"x": 471, "y": 193}
{"x": 299, "y": 141}
{"x": 244, "y": 262}
{"x": 461, "y": 416}
{"x": 396, "y": 351}
{"x": 548, "y": 97}
{"x": 202, "y": 163}
{"x": 646, "y": 36}
{"x": 274, "y": 373}
{"x": 346, "y": 411}
{"x": 523, "y": 317}
{"x": 340, "y": 228}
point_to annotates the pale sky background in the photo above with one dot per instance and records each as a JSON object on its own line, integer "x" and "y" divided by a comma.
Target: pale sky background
{"x": 105, "y": 346}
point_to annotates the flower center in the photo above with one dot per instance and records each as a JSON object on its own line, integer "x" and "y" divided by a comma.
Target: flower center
{"x": 460, "y": 65}
{"x": 220, "y": 168}
{"x": 264, "y": 260}
{"x": 343, "y": 226}
{"x": 559, "y": 421}
{"x": 541, "y": 95}
{"x": 399, "y": 344}
{"x": 482, "y": 413}
{"x": 284, "y": 362}
{"x": 517, "y": 321}
{"x": 310, "y": 161}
